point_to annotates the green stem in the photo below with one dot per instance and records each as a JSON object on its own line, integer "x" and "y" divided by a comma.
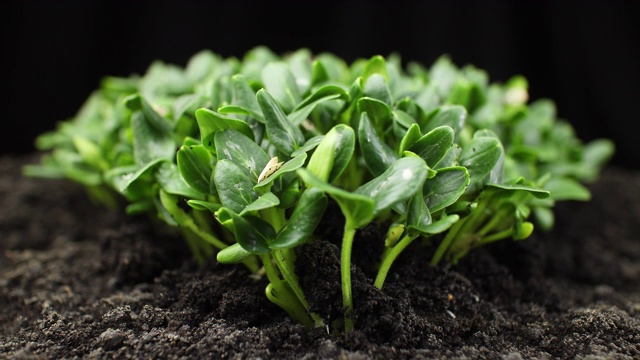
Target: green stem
{"x": 496, "y": 219}
{"x": 446, "y": 242}
{"x": 345, "y": 270}
{"x": 274, "y": 216}
{"x": 290, "y": 277}
{"x": 280, "y": 293}
{"x": 191, "y": 225}
{"x": 390, "y": 257}
{"x": 292, "y": 280}
{"x": 495, "y": 237}
{"x": 201, "y": 250}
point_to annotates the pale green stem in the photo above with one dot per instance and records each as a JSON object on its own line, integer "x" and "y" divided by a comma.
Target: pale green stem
{"x": 279, "y": 292}
{"x": 345, "y": 269}
{"x": 390, "y": 257}
{"x": 292, "y": 280}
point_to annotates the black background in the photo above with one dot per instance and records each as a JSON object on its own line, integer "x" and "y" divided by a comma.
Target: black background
{"x": 584, "y": 55}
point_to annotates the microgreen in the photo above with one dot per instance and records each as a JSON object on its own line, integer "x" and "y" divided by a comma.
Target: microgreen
{"x": 242, "y": 156}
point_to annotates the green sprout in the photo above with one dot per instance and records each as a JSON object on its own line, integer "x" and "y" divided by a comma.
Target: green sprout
{"x": 242, "y": 157}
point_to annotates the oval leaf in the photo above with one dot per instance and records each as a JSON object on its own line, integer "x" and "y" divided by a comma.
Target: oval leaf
{"x": 377, "y": 155}
{"x": 283, "y": 134}
{"x": 303, "y": 221}
{"x": 397, "y": 184}
{"x": 235, "y": 188}
{"x": 244, "y": 152}
{"x": 433, "y": 146}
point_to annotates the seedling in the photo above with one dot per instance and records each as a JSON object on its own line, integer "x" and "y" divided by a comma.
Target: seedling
{"x": 243, "y": 156}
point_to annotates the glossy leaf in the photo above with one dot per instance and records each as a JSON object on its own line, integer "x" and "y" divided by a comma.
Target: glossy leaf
{"x": 446, "y": 187}
{"x": 325, "y": 93}
{"x": 480, "y": 156}
{"x": 433, "y": 146}
{"x": 376, "y": 65}
{"x": 195, "y": 165}
{"x": 379, "y": 113}
{"x": 170, "y": 180}
{"x": 244, "y": 97}
{"x": 358, "y": 210}
{"x": 375, "y": 86}
{"x": 453, "y": 116}
{"x": 412, "y": 135}
{"x": 304, "y": 220}
{"x": 287, "y": 167}
{"x": 283, "y": 134}
{"x": 265, "y": 201}
{"x": 232, "y": 255}
{"x": 210, "y": 122}
{"x": 252, "y": 233}
{"x": 279, "y": 81}
{"x": 562, "y": 189}
{"x": 333, "y": 154}
{"x": 244, "y": 152}
{"x": 377, "y": 155}
{"x": 149, "y": 144}
{"x": 235, "y": 188}
{"x": 398, "y": 183}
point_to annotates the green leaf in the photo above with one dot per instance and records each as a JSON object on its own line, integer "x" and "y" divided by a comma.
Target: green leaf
{"x": 287, "y": 167}
{"x": 396, "y": 184}
{"x": 186, "y": 104}
{"x": 333, "y": 154}
{"x": 233, "y": 254}
{"x": 283, "y": 134}
{"x": 536, "y": 192}
{"x": 267, "y": 200}
{"x": 309, "y": 145}
{"x": 453, "y": 116}
{"x": 433, "y": 146}
{"x": 281, "y": 84}
{"x": 325, "y": 93}
{"x": 123, "y": 177}
{"x": 418, "y": 214}
{"x": 244, "y": 152}
{"x": 318, "y": 73}
{"x": 210, "y": 122}
{"x": 410, "y": 137}
{"x": 446, "y": 187}
{"x": 245, "y": 98}
{"x": 300, "y": 65}
{"x": 91, "y": 153}
{"x": 195, "y": 165}
{"x": 156, "y": 121}
{"x": 378, "y": 111}
{"x": 378, "y": 156}
{"x": 358, "y": 210}
{"x": 375, "y": 86}
{"x": 235, "y": 188}
{"x": 480, "y": 156}
{"x": 204, "y": 205}
{"x": 376, "y": 65}
{"x": 170, "y": 180}
{"x": 304, "y": 220}
{"x": 562, "y": 189}
{"x": 437, "y": 227}
{"x": 403, "y": 119}
{"x": 252, "y": 233}
{"x": 289, "y": 195}
{"x": 149, "y": 144}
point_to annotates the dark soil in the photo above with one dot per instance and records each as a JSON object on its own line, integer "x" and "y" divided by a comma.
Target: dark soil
{"x": 81, "y": 281}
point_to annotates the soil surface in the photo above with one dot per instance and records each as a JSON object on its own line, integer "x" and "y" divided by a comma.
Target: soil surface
{"x": 82, "y": 281}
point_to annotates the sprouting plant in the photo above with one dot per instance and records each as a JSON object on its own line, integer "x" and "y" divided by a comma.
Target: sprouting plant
{"x": 242, "y": 156}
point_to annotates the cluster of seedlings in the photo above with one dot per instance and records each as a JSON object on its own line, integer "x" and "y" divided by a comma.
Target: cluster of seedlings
{"x": 243, "y": 156}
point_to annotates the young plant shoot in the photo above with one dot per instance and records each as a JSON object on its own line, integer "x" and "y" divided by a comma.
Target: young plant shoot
{"x": 243, "y": 156}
